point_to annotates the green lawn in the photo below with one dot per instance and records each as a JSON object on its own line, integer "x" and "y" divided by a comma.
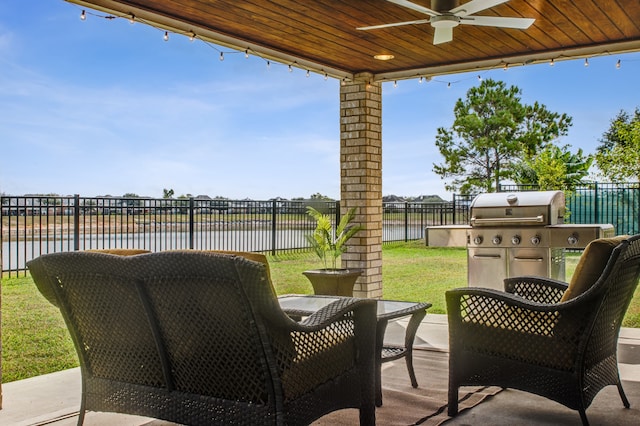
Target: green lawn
{"x": 35, "y": 340}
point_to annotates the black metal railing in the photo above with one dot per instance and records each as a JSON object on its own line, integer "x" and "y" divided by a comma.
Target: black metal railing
{"x": 34, "y": 225}
{"x": 406, "y": 221}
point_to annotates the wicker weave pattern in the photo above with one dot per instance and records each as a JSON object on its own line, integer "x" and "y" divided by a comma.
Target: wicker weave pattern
{"x": 526, "y": 339}
{"x": 199, "y": 338}
{"x": 536, "y": 289}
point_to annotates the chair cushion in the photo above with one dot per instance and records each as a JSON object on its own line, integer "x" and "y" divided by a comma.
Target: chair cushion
{"x": 591, "y": 264}
{"x": 249, "y": 255}
{"x": 120, "y": 252}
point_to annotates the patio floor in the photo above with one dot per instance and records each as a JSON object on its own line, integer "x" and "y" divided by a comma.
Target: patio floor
{"x": 55, "y": 398}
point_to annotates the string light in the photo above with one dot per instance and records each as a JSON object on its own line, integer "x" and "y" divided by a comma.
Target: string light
{"x": 420, "y": 81}
{"x": 192, "y": 35}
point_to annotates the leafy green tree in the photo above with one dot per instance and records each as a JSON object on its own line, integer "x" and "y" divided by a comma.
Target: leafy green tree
{"x": 491, "y": 133}
{"x": 131, "y": 202}
{"x": 554, "y": 168}
{"x": 319, "y": 196}
{"x": 618, "y": 155}
{"x": 53, "y": 200}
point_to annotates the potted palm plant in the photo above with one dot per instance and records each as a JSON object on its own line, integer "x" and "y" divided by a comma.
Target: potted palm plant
{"x": 328, "y": 245}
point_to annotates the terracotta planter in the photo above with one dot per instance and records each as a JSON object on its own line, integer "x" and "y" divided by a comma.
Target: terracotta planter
{"x": 333, "y": 282}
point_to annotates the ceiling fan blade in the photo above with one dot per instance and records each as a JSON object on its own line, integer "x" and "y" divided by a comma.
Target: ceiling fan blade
{"x": 396, "y": 24}
{"x": 498, "y": 21}
{"x": 475, "y": 6}
{"x": 415, "y": 7}
{"x": 442, "y": 35}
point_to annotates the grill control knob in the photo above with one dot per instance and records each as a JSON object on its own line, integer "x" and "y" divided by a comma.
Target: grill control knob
{"x": 515, "y": 240}
{"x": 478, "y": 240}
{"x": 497, "y": 239}
{"x": 535, "y": 240}
{"x": 572, "y": 240}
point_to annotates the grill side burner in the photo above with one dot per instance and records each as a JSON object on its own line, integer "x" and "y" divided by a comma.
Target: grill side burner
{"x": 515, "y": 234}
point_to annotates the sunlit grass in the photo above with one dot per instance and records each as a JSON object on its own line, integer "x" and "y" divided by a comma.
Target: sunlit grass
{"x": 35, "y": 340}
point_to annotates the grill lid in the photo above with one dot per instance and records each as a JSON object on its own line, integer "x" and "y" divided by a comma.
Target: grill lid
{"x": 539, "y": 208}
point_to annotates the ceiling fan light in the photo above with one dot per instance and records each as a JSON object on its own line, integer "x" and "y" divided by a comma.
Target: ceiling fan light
{"x": 384, "y": 57}
{"x": 444, "y": 21}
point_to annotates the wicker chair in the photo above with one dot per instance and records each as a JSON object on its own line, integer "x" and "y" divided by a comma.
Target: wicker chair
{"x": 199, "y": 338}
{"x": 536, "y": 339}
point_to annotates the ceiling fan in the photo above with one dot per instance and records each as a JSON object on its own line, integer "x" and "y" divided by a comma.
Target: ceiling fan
{"x": 445, "y": 15}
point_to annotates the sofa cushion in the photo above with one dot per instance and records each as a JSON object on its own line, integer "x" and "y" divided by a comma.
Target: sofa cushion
{"x": 249, "y": 255}
{"x": 591, "y": 265}
{"x": 120, "y": 252}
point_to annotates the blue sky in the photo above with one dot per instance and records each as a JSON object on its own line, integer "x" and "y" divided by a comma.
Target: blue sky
{"x": 101, "y": 107}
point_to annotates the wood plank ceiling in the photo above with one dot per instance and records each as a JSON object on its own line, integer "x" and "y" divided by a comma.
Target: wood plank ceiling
{"x": 322, "y": 35}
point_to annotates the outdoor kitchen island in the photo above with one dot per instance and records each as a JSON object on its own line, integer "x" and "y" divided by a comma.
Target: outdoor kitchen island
{"x": 522, "y": 233}
{"x": 513, "y": 234}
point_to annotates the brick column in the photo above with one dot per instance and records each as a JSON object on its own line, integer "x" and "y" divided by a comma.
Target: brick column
{"x": 361, "y": 179}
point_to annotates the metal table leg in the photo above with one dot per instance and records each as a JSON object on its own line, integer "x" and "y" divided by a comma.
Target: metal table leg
{"x": 391, "y": 353}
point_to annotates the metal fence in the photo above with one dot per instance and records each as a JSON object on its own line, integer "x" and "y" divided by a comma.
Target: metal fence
{"x": 34, "y": 225}
{"x": 405, "y": 221}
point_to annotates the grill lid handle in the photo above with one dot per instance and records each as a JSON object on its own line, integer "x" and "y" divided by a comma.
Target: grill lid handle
{"x": 506, "y": 220}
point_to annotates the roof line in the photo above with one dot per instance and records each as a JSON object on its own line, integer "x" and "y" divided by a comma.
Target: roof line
{"x": 156, "y": 20}
{"x": 518, "y": 60}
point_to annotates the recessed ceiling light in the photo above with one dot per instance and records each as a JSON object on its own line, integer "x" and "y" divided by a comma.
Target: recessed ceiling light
{"x": 384, "y": 57}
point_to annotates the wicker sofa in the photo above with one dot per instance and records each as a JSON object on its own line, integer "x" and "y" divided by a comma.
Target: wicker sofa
{"x": 544, "y": 336}
{"x": 199, "y": 338}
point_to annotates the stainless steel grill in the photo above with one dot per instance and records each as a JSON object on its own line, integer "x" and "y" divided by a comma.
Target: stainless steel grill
{"x": 523, "y": 233}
